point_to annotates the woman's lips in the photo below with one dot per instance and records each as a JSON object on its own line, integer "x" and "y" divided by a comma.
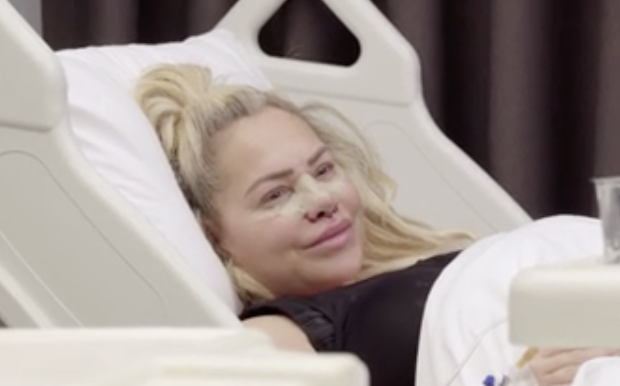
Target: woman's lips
{"x": 333, "y": 237}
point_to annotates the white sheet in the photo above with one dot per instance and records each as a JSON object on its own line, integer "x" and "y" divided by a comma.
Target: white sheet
{"x": 464, "y": 335}
{"x": 599, "y": 372}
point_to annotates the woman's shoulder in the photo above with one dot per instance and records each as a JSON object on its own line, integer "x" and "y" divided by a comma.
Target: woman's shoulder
{"x": 318, "y": 316}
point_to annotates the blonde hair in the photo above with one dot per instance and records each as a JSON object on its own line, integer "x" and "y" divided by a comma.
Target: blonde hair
{"x": 187, "y": 109}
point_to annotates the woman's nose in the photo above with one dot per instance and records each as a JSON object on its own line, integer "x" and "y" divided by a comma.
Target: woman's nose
{"x": 324, "y": 206}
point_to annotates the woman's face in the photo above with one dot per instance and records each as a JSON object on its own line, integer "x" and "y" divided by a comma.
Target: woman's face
{"x": 290, "y": 217}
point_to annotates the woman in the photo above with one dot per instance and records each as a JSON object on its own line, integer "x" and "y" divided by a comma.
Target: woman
{"x": 300, "y": 214}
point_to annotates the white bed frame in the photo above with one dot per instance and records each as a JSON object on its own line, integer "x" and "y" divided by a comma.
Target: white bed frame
{"x": 159, "y": 357}
{"x": 73, "y": 253}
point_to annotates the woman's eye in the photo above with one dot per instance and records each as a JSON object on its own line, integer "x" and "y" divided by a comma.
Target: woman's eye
{"x": 274, "y": 195}
{"x": 325, "y": 170}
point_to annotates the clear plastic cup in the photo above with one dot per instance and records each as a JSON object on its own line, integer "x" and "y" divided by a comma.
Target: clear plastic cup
{"x": 608, "y": 198}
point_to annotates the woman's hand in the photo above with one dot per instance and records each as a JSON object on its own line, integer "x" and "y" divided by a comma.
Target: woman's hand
{"x": 557, "y": 367}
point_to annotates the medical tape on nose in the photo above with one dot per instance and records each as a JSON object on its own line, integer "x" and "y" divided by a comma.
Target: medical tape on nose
{"x": 307, "y": 191}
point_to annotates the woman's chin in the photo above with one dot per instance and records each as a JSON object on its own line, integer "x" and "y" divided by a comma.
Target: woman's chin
{"x": 340, "y": 272}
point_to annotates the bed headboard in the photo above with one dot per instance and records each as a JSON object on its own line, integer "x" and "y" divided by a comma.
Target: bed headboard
{"x": 382, "y": 94}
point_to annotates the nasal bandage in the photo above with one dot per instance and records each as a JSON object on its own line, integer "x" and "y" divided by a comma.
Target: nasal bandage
{"x": 307, "y": 191}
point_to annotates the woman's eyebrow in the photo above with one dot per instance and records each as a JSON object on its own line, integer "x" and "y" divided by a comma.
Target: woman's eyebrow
{"x": 317, "y": 155}
{"x": 286, "y": 173}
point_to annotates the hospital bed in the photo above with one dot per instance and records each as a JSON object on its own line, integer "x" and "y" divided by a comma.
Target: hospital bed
{"x": 94, "y": 231}
{"x": 69, "y": 221}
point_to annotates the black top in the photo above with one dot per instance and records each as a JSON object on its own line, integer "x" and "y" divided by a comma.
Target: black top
{"x": 377, "y": 319}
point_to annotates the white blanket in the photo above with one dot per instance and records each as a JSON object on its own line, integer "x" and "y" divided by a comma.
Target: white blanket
{"x": 464, "y": 333}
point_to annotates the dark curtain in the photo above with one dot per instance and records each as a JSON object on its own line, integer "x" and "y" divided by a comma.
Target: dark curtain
{"x": 528, "y": 88}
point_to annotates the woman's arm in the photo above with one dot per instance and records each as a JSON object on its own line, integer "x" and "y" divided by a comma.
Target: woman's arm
{"x": 284, "y": 333}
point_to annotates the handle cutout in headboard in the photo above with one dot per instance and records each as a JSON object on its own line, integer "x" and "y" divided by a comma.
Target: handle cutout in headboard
{"x": 383, "y": 50}
{"x": 309, "y": 31}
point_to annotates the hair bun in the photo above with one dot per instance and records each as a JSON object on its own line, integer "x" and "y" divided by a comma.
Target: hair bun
{"x": 166, "y": 94}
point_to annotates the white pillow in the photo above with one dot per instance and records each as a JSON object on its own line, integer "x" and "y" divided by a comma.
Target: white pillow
{"x": 120, "y": 143}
